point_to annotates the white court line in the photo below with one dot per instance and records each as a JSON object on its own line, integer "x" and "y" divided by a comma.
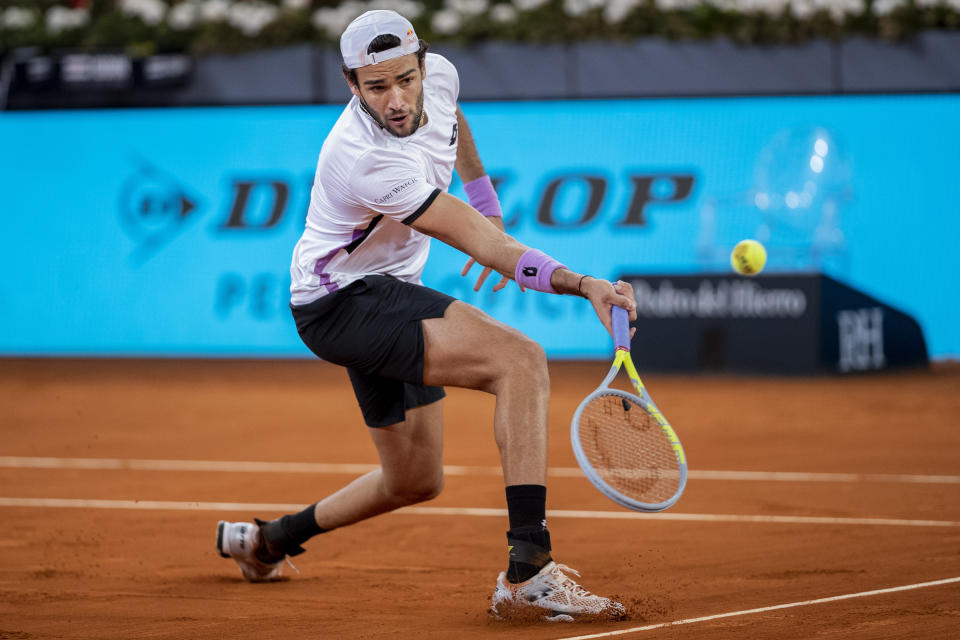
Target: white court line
{"x": 466, "y": 511}
{"x": 795, "y": 476}
{"x": 789, "y": 605}
{"x": 28, "y": 462}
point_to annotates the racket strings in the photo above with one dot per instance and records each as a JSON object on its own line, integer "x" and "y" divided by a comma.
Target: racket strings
{"x": 629, "y": 449}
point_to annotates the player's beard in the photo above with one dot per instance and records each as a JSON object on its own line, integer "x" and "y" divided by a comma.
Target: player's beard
{"x": 415, "y": 117}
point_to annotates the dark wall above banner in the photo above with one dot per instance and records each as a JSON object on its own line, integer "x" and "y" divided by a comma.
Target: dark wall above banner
{"x": 94, "y": 77}
{"x": 792, "y": 324}
{"x": 305, "y": 74}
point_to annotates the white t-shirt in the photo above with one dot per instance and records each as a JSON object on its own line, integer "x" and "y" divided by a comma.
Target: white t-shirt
{"x": 369, "y": 186}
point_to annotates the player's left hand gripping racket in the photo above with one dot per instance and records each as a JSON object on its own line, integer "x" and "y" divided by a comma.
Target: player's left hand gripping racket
{"x": 623, "y": 443}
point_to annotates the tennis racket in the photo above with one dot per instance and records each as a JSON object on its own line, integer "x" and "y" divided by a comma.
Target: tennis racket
{"x": 623, "y": 443}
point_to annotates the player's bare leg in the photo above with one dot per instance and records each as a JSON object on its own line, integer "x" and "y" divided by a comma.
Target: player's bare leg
{"x": 467, "y": 348}
{"x": 411, "y": 471}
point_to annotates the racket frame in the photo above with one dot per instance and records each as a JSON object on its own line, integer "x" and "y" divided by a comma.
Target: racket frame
{"x": 642, "y": 398}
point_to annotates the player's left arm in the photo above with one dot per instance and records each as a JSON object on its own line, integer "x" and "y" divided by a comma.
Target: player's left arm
{"x": 468, "y": 164}
{"x": 479, "y": 190}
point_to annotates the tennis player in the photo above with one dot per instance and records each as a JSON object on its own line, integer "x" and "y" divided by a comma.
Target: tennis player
{"x": 379, "y": 195}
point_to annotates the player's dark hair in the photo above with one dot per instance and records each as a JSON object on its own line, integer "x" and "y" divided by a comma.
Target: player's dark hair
{"x": 382, "y": 43}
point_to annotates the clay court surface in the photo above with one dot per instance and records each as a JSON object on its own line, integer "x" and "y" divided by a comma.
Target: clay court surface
{"x": 113, "y": 475}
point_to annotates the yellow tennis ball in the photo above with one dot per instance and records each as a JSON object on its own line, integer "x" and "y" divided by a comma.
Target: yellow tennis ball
{"x": 748, "y": 257}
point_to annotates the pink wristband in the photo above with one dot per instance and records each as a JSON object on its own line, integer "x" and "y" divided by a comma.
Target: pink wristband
{"x": 483, "y": 197}
{"x": 534, "y": 269}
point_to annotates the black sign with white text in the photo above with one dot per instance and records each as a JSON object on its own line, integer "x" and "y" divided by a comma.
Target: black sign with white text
{"x": 791, "y": 324}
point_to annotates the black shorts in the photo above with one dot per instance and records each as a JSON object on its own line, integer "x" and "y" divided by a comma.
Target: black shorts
{"x": 372, "y": 327}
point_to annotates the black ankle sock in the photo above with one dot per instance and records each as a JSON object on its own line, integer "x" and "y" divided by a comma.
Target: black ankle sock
{"x": 528, "y": 538}
{"x": 527, "y": 505}
{"x": 283, "y": 536}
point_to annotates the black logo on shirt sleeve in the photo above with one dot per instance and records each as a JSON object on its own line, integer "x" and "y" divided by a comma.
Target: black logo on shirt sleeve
{"x": 453, "y": 135}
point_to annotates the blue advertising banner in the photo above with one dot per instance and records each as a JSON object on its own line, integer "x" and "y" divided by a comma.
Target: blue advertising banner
{"x": 169, "y": 232}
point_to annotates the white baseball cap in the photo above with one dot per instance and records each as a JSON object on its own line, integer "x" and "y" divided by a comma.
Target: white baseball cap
{"x": 360, "y": 33}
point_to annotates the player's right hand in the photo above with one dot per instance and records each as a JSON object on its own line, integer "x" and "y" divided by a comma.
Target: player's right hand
{"x": 603, "y": 295}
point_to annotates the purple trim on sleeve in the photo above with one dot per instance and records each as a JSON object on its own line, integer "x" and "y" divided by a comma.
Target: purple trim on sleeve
{"x": 534, "y": 269}
{"x": 483, "y": 197}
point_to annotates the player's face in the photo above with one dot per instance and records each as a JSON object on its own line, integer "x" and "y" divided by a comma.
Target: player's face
{"x": 392, "y": 92}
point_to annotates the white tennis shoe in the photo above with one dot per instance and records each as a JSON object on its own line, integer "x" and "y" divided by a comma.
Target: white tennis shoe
{"x": 556, "y": 594}
{"x": 239, "y": 540}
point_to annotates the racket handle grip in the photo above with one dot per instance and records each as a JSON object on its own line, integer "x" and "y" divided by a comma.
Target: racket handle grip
{"x": 621, "y": 327}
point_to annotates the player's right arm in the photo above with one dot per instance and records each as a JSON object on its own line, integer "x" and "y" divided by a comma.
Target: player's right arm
{"x": 459, "y": 225}
{"x": 389, "y": 183}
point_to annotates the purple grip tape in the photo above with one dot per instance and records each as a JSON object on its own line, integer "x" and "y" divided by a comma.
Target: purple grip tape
{"x": 621, "y": 327}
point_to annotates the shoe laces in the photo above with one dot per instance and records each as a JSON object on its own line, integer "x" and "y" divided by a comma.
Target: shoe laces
{"x": 566, "y": 581}
{"x": 292, "y": 566}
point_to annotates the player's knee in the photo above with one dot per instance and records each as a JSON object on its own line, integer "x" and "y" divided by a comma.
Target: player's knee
{"x": 414, "y": 490}
{"x": 528, "y": 359}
